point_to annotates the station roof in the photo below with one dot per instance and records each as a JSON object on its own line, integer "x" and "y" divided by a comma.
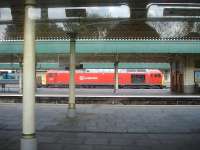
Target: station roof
{"x": 135, "y": 3}
{"x": 127, "y": 65}
{"x": 45, "y": 66}
{"x": 13, "y": 66}
{"x": 106, "y": 46}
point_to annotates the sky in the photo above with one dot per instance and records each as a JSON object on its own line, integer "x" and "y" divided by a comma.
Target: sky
{"x": 122, "y": 11}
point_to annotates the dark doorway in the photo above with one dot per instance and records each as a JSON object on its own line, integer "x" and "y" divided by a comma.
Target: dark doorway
{"x": 138, "y": 78}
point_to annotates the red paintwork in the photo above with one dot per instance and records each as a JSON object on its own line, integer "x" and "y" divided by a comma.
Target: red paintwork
{"x": 57, "y": 77}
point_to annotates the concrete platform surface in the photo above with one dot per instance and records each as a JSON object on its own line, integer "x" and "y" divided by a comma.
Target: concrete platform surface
{"x": 80, "y": 92}
{"x": 101, "y": 93}
{"x": 105, "y": 127}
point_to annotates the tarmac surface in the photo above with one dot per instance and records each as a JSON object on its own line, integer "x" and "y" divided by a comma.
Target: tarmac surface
{"x": 105, "y": 127}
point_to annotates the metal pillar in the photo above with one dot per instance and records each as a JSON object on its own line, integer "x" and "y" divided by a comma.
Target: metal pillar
{"x": 20, "y": 78}
{"x": 177, "y": 76}
{"x": 189, "y": 85}
{"x": 116, "y": 86}
{"x": 28, "y": 127}
{"x": 173, "y": 77}
{"x": 72, "y": 68}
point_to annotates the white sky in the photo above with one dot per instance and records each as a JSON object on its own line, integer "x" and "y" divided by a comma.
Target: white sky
{"x": 5, "y": 14}
{"x": 122, "y": 11}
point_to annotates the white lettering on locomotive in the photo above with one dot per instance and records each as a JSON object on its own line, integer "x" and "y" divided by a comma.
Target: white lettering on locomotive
{"x": 87, "y": 78}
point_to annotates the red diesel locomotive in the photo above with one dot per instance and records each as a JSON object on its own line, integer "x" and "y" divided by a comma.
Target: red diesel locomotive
{"x": 145, "y": 79}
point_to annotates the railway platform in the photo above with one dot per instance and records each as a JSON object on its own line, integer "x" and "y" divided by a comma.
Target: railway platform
{"x": 105, "y": 127}
{"x": 134, "y": 93}
{"x": 106, "y": 96}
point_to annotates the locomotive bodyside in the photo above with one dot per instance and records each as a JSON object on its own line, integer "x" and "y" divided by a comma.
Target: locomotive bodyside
{"x": 93, "y": 79}
{"x": 61, "y": 78}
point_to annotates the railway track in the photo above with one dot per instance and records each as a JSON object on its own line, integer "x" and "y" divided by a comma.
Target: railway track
{"x": 110, "y": 100}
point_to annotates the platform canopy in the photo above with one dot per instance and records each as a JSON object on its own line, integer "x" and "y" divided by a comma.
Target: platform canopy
{"x": 46, "y": 66}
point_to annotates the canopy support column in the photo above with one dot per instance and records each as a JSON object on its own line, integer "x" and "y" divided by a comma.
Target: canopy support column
{"x": 20, "y": 78}
{"x": 28, "y": 127}
{"x": 72, "y": 68}
{"x": 116, "y": 86}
